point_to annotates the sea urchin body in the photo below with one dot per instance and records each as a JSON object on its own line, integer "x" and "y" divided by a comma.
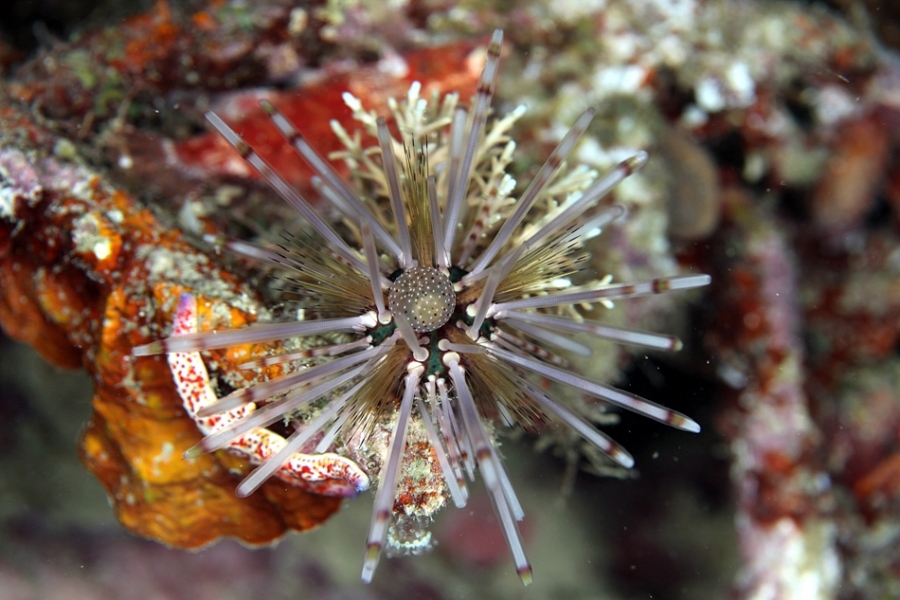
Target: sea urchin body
{"x": 456, "y": 299}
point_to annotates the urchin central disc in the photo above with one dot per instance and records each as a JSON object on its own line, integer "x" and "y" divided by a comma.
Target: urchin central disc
{"x": 424, "y": 296}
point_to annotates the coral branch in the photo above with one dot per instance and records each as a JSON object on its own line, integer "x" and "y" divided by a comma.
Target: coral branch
{"x": 787, "y": 542}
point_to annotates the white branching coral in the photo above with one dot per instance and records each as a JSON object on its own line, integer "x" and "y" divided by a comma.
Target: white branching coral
{"x": 455, "y": 297}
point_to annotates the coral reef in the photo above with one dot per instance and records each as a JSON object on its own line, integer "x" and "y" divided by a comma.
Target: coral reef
{"x": 86, "y": 275}
{"x": 773, "y": 124}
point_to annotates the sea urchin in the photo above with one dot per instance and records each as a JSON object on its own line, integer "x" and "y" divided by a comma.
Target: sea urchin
{"x": 456, "y": 300}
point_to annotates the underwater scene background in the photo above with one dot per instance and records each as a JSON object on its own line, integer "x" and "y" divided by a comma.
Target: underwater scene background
{"x": 773, "y": 135}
